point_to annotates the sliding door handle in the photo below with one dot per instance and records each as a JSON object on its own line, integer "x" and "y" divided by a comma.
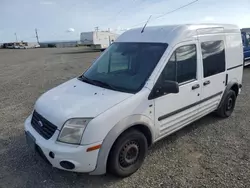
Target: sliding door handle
{"x": 195, "y": 86}
{"x": 206, "y": 83}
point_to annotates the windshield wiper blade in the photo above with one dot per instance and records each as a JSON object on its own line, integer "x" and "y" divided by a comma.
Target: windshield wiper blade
{"x": 97, "y": 82}
{"x": 85, "y": 79}
{"x": 104, "y": 84}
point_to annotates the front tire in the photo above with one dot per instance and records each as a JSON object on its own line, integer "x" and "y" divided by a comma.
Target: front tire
{"x": 128, "y": 153}
{"x": 228, "y": 105}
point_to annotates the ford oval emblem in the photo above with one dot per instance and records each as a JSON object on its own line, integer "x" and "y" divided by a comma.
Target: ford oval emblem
{"x": 40, "y": 123}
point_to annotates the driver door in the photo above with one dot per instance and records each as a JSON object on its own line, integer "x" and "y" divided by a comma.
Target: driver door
{"x": 173, "y": 111}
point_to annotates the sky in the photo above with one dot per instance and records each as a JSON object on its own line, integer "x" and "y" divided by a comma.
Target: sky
{"x": 66, "y": 19}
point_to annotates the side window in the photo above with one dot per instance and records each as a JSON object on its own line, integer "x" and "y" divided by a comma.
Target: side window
{"x": 182, "y": 66}
{"x": 169, "y": 72}
{"x": 213, "y": 54}
{"x": 248, "y": 38}
{"x": 186, "y": 61}
{"x": 243, "y": 39}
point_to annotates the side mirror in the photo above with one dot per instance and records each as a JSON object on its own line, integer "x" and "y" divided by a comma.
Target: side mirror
{"x": 169, "y": 87}
{"x": 163, "y": 89}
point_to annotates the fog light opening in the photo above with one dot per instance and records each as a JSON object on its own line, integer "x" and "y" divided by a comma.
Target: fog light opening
{"x": 67, "y": 165}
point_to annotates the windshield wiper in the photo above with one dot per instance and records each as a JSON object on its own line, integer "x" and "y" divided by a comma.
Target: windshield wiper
{"x": 97, "y": 82}
{"x": 104, "y": 84}
{"x": 85, "y": 79}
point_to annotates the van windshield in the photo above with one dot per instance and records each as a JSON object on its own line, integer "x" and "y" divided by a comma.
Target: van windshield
{"x": 125, "y": 66}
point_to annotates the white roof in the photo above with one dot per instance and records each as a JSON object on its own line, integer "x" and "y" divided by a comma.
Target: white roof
{"x": 245, "y": 29}
{"x": 170, "y": 33}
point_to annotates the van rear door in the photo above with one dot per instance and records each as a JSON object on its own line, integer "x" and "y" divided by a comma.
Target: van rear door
{"x": 214, "y": 67}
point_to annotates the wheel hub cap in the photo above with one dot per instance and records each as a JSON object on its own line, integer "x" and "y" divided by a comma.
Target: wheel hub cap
{"x": 129, "y": 154}
{"x": 229, "y": 103}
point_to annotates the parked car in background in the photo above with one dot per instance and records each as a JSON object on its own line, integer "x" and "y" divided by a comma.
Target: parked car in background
{"x": 148, "y": 84}
{"x": 8, "y": 45}
{"x": 24, "y": 47}
{"x": 21, "y": 45}
{"x": 245, "y": 33}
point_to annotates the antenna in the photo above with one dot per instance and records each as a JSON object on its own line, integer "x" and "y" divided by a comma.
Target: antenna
{"x": 146, "y": 24}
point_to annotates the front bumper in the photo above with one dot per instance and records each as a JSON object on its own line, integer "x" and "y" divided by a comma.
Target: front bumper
{"x": 83, "y": 161}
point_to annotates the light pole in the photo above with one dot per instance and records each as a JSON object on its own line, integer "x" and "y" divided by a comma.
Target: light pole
{"x": 16, "y": 37}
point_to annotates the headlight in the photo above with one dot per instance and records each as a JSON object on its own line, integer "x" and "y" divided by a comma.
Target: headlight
{"x": 72, "y": 130}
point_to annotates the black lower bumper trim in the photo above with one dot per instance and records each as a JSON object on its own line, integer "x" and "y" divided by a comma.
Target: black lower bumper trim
{"x": 41, "y": 154}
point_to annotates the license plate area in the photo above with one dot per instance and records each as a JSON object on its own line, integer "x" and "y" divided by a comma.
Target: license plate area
{"x": 31, "y": 141}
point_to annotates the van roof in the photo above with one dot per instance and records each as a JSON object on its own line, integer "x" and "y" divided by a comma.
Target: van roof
{"x": 245, "y": 29}
{"x": 174, "y": 33}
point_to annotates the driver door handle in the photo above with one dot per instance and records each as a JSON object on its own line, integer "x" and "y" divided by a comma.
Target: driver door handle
{"x": 206, "y": 83}
{"x": 195, "y": 86}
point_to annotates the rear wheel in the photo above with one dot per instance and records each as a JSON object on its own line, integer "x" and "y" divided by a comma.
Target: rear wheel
{"x": 228, "y": 105}
{"x": 128, "y": 153}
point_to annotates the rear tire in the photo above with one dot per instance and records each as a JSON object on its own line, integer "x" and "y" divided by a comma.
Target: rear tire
{"x": 128, "y": 153}
{"x": 228, "y": 105}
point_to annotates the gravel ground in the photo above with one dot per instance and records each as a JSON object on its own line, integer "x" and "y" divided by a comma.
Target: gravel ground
{"x": 211, "y": 152}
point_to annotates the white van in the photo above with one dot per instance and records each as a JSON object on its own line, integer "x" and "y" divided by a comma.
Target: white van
{"x": 145, "y": 86}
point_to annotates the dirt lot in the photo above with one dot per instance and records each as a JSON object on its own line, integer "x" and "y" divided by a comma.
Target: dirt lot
{"x": 209, "y": 153}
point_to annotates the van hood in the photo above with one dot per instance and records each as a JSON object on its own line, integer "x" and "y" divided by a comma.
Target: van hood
{"x": 76, "y": 99}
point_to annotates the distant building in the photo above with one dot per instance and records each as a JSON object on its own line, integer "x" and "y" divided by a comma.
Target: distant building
{"x": 59, "y": 44}
{"x": 13, "y": 44}
{"x": 19, "y": 44}
{"x": 98, "y": 39}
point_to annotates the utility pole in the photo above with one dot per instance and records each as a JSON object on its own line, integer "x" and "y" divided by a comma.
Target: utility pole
{"x": 16, "y": 37}
{"x": 96, "y": 29}
{"x": 37, "y": 36}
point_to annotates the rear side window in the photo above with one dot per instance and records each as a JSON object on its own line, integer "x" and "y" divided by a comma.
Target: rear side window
{"x": 182, "y": 66}
{"x": 213, "y": 54}
{"x": 248, "y": 39}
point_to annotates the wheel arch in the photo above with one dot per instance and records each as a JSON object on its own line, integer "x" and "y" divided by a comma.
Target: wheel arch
{"x": 230, "y": 86}
{"x": 138, "y": 122}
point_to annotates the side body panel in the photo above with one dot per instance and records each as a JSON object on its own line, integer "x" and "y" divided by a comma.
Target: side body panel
{"x": 134, "y": 105}
{"x": 234, "y": 58}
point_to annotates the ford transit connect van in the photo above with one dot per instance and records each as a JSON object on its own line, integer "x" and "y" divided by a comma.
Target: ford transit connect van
{"x": 148, "y": 84}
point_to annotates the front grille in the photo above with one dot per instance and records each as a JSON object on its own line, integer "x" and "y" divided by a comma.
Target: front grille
{"x": 42, "y": 126}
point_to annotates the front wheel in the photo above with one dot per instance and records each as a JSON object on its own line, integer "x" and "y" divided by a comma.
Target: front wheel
{"x": 128, "y": 153}
{"x": 228, "y": 105}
